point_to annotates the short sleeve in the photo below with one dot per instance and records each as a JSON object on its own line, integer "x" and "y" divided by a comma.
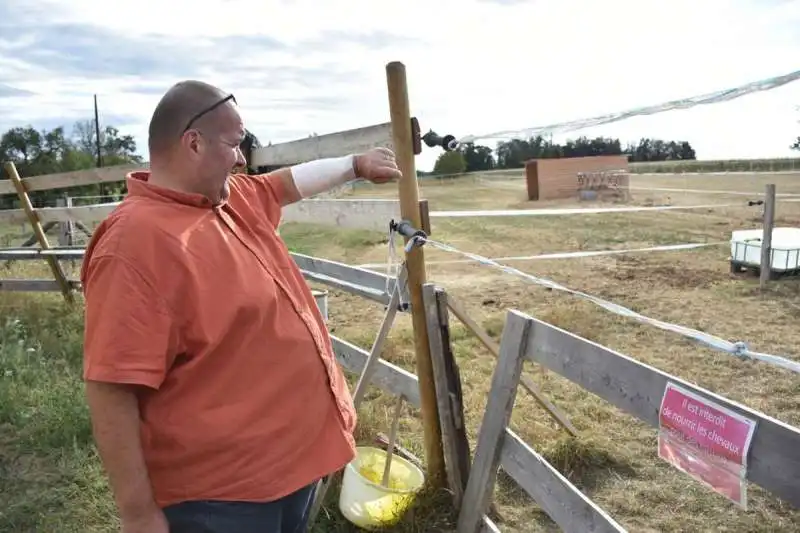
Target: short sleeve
{"x": 130, "y": 335}
{"x": 267, "y": 190}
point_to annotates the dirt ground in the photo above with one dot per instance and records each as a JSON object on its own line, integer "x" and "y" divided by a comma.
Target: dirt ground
{"x": 615, "y": 460}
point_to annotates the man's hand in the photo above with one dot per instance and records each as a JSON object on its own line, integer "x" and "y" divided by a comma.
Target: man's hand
{"x": 377, "y": 165}
{"x": 154, "y": 522}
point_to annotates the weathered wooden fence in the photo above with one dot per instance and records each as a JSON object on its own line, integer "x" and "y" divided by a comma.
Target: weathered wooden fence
{"x": 635, "y": 388}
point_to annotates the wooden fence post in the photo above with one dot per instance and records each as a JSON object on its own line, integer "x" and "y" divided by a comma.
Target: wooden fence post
{"x": 55, "y": 266}
{"x": 766, "y": 238}
{"x": 402, "y": 138}
{"x": 66, "y": 229}
{"x": 448, "y": 392}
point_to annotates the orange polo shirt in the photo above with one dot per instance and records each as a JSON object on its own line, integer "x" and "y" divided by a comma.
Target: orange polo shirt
{"x": 203, "y": 305}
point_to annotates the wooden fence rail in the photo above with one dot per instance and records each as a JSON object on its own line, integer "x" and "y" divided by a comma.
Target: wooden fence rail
{"x": 359, "y": 281}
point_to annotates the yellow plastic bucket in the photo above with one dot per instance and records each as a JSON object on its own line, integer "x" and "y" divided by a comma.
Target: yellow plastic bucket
{"x": 368, "y": 504}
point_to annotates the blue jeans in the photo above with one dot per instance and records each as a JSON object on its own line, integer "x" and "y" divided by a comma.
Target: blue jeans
{"x": 286, "y": 515}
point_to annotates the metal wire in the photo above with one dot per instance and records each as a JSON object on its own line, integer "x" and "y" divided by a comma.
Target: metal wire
{"x": 684, "y": 103}
{"x": 738, "y": 348}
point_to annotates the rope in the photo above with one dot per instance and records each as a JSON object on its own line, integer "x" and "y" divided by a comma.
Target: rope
{"x": 684, "y": 103}
{"x": 393, "y": 270}
{"x": 738, "y": 349}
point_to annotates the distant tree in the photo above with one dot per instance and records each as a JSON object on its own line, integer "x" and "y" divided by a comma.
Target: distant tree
{"x": 37, "y": 152}
{"x": 514, "y": 153}
{"x": 450, "y": 163}
{"x": 115, "y": 149}
{"x": 796, "y": 145}
{"x": 477, "y": 157}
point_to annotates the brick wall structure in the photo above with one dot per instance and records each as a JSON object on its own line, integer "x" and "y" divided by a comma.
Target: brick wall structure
{"x": 578, "y": 177}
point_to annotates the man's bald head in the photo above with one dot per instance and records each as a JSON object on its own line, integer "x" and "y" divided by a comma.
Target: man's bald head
{"x": 180, "y": 105}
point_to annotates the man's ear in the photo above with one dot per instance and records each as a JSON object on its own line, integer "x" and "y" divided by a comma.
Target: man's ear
{"x": 192, "y": 142}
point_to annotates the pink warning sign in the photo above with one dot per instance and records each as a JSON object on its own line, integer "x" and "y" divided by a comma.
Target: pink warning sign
{"x": 705, "y": 440}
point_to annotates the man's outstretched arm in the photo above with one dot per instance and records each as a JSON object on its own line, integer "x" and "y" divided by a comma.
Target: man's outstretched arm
{"x": 314, "y": 177}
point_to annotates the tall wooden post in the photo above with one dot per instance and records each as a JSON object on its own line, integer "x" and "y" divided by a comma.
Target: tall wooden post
{"x": 402, "y": 137}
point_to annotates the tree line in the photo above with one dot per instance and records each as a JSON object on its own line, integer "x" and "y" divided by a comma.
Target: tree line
{"x": 36, "y": 152}
{"x": 513, "y": 154}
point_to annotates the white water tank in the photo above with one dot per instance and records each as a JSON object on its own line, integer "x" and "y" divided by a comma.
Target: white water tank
{"x": 746, "y": 248}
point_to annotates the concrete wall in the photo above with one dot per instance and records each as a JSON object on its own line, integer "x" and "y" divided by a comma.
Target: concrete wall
{"x": 551, "y": 179}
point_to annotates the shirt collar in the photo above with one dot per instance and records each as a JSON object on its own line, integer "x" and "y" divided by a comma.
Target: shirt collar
{"x": 138, "y": 185}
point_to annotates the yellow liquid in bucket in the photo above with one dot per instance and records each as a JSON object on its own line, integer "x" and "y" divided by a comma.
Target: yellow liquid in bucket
{"x": 374, "y": 472}
{"x": 378, "y": 505}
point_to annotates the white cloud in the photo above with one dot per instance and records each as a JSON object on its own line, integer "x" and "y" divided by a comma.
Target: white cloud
{"x": 473, "y": 66}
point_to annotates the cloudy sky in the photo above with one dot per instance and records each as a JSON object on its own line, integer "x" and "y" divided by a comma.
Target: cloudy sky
{"x": 474, "y": 66}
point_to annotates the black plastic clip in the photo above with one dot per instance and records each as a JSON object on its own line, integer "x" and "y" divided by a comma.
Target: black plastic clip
{"x": 448, "y": 142}
{"x": 416, "y": 237}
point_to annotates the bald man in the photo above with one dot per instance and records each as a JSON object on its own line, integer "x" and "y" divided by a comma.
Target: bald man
{"x": 216, "y": 401}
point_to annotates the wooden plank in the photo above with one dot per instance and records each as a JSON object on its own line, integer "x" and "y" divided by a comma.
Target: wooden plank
{"x": 638, "y": 388}
{"x": 323, "y": 268}
{"x": 322, "y": 146}
{"x": 75, "y": 178}
{"x": 341, "y": 275}
{"x": 766, "y": 237}
{"x": 367, "y": 214}
{"x": 35, "y": 285}
{"x": 388, "y": 377}
{"x": 12, "y": 216}
{"x": 358, "y": 290}
{"x": 65, "y": 229}
{"x": 377, "y": 348}
{"x": 84, "y": 214}
{"x": 502, "y": 394}
{"x": 526, "y": 381}
{"x": 356, "y": 280}
{"x": 560, "y": 499}
{"x": 448, "y": 392}
{"x": 33, "y": 218}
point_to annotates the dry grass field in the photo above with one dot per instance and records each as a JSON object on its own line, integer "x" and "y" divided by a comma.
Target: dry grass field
{"x": 51, "y": 481}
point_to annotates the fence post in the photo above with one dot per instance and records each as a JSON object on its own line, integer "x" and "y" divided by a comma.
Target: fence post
{"x": 33, "y": 217}
{"x": 66, "y": 228}
{"x": 766, "y": 239}
{"x": 502, "y": 394}
{"x": 448, "y": 392}
{"x": 403, "y": 140}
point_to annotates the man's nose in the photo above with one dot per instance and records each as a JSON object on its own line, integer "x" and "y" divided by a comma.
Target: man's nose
{"x": 240, "y": 160}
